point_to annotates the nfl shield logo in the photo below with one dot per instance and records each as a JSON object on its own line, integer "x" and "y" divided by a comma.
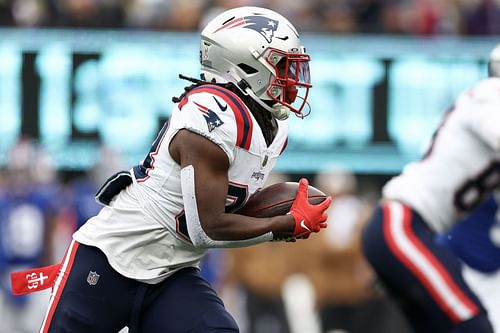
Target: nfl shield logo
{"x": 92, "y": 278}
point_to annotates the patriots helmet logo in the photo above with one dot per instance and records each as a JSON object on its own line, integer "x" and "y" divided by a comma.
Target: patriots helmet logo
{"x": 212, "y": 119}
{"x": 262, "y": 24}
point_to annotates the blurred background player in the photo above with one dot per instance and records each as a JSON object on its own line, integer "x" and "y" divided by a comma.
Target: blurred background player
{"x": 476, "y": 240}
{"x": 459, "y": 171}
{"x": 27, "y": 211}
{"x": 139, "y": 256}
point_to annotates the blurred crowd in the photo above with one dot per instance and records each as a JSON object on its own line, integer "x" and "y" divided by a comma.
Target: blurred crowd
{"x": 417, "y": 17}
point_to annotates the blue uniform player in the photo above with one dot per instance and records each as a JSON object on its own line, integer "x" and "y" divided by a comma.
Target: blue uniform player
{"x": 476, "y": 241}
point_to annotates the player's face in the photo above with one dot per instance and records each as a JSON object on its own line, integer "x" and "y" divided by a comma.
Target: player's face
{"x": 290, "y": 90}
{"x": 292, "y": 72}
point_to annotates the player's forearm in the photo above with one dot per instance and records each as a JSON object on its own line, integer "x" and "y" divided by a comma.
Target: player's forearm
{"x": 231, "y": 230}
{"x": 209, "y": 226}
{"x": 240, "y": 227}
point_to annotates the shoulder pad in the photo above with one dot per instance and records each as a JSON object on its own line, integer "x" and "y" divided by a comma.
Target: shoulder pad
{"x": 218, "y": 106}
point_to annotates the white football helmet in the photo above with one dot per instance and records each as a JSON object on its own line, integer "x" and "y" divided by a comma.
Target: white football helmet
{"x": 494, "y": 63}
{"x": 259, "y": 51}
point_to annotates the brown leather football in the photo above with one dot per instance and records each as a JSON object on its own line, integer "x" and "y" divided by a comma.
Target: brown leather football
{"x": 277, "y": 199}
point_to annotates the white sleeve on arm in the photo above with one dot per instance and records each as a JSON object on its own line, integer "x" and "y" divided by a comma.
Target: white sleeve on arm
{"x": 196, "y": 233}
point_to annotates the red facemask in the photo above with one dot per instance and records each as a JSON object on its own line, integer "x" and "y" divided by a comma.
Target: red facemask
{"x": 292, "y": 76}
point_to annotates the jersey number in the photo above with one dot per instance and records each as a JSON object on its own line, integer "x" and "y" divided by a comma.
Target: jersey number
{"x": 474, "y": 191}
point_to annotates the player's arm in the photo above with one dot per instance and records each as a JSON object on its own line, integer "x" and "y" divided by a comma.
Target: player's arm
{"x": 209, "y": 166}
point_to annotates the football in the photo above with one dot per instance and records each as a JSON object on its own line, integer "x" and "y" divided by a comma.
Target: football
{"x": 277, "y": 200}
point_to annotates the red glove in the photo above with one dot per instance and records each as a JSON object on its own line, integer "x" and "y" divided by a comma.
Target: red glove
{"x": 308, "y": 218}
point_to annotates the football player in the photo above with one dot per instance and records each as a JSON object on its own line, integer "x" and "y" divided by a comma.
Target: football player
{"x": 458, "y": 172}
{"x": 476, "y": 240}
{"x": 136, "y": 263}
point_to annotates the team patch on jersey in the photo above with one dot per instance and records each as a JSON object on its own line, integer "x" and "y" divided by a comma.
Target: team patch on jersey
{"x": 212, "y": 119}
{"x": 244, "y": 124}
{"x": 265, "y": 26}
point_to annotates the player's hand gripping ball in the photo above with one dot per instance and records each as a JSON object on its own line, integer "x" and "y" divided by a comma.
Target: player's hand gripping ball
{"x": 305, "y": 203}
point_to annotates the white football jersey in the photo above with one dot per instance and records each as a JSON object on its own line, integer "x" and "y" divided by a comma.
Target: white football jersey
{"x": 143, "y": 231}
{"x": 462, "y": 164}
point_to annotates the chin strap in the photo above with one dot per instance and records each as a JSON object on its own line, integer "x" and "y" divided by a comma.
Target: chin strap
{"x": 278, "y": 110}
